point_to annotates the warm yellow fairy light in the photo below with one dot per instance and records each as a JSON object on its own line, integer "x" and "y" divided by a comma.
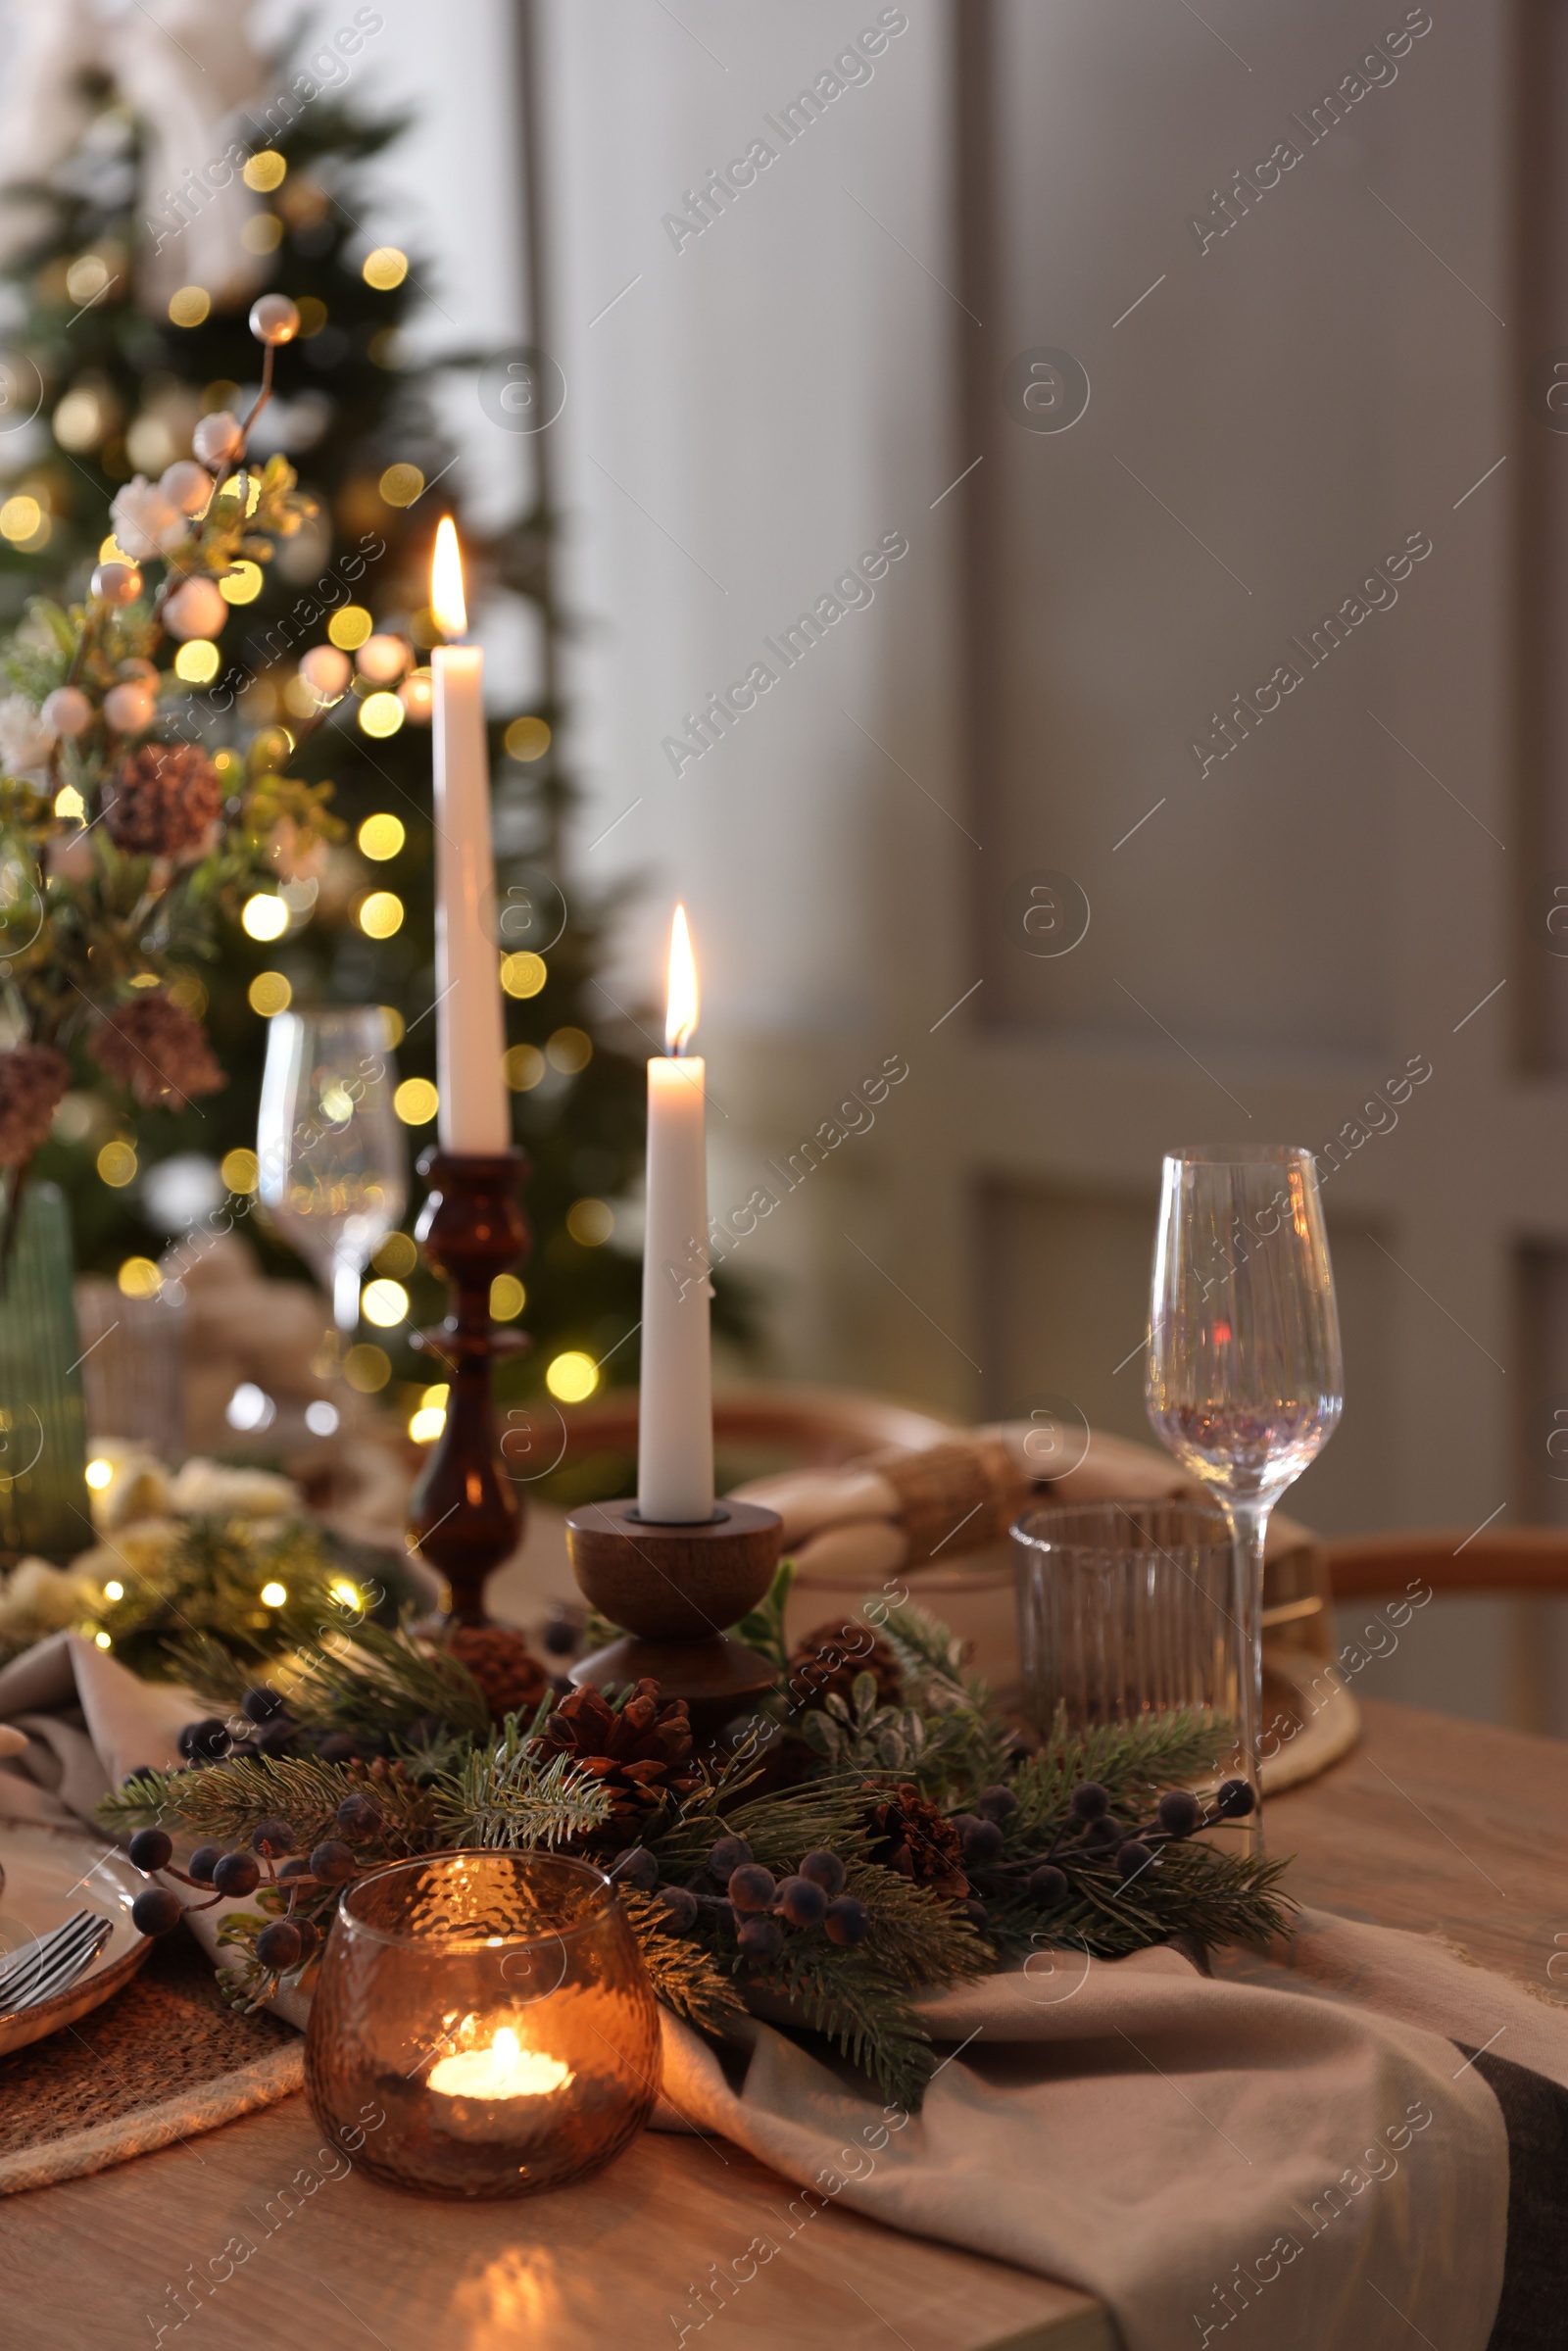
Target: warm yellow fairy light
{"x": 380, "y": 914}
{"x": 270, "y": 993}
{"x": 116, "y": 1164}
{"x": 99, "y": 1474}
{"x": 264, "y": 916}
{"x": 380, "y": 715}
{"x": 385, "y": 1304}
{"x": 113, "y": 1589}
{"x": 427, "y": 1424}
{"x": 274, "y": 1594}
{"x": 103, "y": 1641}
{"x": 197, "y": 661}
{"x": 416, "y": 1102}
{"x": 381, "y": 837}
{"x": 139, "y": 1277}
{"x": 240, "y": 1170}
{"x": 523, "y": 973}
{"x": 572, "y": 1376}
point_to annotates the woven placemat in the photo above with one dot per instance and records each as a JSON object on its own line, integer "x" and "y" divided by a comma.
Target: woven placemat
{"x": 163, "y": 2060}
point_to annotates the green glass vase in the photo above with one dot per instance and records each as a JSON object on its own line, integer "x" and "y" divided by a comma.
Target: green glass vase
{"x": 43, "y": 1431}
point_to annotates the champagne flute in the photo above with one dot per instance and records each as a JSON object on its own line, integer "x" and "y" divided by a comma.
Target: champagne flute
{"x": 329, "y": 1145}
{"x": 1244, "y": 1381}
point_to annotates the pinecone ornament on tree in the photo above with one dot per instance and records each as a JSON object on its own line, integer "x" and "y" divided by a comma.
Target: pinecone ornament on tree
{"x": 642, "y": 1753}
{"x": 912, "y": 1838}
{"x": 510, "y": 1676}
{"x": 33, "y": 1079}
{"x": 164, "y": 800}
{"x": 827, "y": 1661}
{"x": 153, "y": 1046}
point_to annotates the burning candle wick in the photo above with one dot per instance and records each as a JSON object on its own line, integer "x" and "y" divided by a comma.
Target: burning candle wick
{"x": 506, "y": 2070}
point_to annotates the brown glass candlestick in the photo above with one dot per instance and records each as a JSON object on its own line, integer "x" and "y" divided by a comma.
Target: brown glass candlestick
{"x": 465, "y": 1513}
{"x": 675, "y": 1589}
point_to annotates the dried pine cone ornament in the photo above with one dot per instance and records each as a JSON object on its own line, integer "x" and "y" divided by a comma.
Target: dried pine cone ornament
{"x": 163, "y": 800}
{"x": 33, "y": 1079}
{"x": 827, "y": 1661}
{"x": 912, "y": 1838}
{"x": 643, "y": 1753}
{"x": 153, "y": 1046}
{"x": 506, "y": 1669}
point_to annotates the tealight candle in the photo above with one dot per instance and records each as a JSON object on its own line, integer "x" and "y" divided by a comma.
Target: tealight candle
{"x": 503, "y": 2070}
{"x": 492, "y": 2013}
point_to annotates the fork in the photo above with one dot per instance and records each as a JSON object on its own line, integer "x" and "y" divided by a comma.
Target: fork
{"x": 54, "y": 1963}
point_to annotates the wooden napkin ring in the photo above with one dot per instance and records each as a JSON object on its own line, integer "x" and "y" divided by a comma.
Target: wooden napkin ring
{"x": 953, "y": 1497}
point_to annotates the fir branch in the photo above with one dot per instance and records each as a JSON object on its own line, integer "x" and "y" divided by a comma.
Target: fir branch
{"x": 504, "y": 1795}
{"x": 225, "y": 1801}
{"x": 861, "y": 2007}
{"x": 370, "y": 1679}
{"x": 1130, "y": 1760}
{"x": 685, "y": 1976}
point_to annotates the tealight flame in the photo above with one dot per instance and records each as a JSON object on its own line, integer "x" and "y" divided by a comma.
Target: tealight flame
{"x": 506, "y": 2070}
{"x": 680, "y": 1017}
{"x": 447, "y": 607}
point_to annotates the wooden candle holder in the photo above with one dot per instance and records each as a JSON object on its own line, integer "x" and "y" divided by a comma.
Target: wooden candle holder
{"x": 465, "y": 1513}
{"x": 675, "y": 1589}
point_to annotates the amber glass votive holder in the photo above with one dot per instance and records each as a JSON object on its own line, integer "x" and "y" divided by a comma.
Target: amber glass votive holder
{"x": 482, "y": 2025}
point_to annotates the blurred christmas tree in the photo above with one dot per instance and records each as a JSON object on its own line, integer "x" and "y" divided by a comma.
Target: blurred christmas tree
{"x": 119, "y": 387}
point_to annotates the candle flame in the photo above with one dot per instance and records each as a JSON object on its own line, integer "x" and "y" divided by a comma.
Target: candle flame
{"x": 506, "y": 2070}
{"x": 447, "y": 607}
{"x": 680, "y": 1017}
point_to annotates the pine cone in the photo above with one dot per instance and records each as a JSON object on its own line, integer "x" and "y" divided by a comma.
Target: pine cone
{"x": 827, "y": 1661}
{"x": 643, "y": 1753}
{"x": 162, "y": 799}
{"x": 153, "y": 1047}
{"x": 913, "y": 1839}
{"x": 501, "y": 1663}
{"x": 33, "y": 1079}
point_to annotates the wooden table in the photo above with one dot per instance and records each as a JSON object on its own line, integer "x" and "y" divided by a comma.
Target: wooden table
{"x": 1431, "y": 1823}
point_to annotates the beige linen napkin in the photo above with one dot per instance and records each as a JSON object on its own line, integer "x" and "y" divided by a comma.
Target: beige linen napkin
{"x": 1217, "y": 2162}
{"x": 90, "y": 1723}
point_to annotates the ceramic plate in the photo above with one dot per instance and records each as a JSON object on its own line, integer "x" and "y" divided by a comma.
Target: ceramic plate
{"x": 50, "y": 1874}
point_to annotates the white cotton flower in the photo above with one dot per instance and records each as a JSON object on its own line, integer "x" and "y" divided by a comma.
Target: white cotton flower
{"x": 25, "y": 740}
{"x": 147, "y": 523}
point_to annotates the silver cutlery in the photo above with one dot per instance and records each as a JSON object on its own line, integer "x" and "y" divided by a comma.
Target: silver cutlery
{"x": 54, "y": 1962}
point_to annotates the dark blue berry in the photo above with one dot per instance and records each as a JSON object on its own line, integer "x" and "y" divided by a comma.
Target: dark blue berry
{"x": 1090, "y": 1801}
{"x": 1102, "y": 1833}
{"x": 963, "y": 1822}
{"x": 760, "y": 1939}
{"x": 995, "y": 1803}
{"x": 825, "y": 1870}
{"x": 1046, "y": 1885}
{"x": 1234, "y": 1799}
{"x": 978, "y": 1916}
{"x": 338, "y": 1747}
{"x": 206, "y": 1742}
{"x": 679, "y": 1906}
{"x": 560, "y": 1636}
{"x": 143, "y": 1775}
{"x": 1134, "y": 1857}
{"x": 310, "y": 1935}
{"x": 751, "y": 1887}
{"x": 272, "y": 1836}
{"x": 803, "y": 1901}
{"x": 727, "y": 1856}
{"x": 263, "y": 1704}
{"x": 982, "y": 1842}
{"x": 203, "y": 1862}
{"x": 635, "y": 1867}
{"x": 155, "y": 1910}
{"x": 297, "y": 1868}
{"x": 845, "y": 1921}
{"x": 150, "y": 1848}
{"x": 276, "y": 1738}
{"x": 1179, "y": 1812}
{"x": 359, "y": 1815}
{"x": 278, "y": 1945}
{"x": 333, "y": 1862}
{"x": 237, "y": 1874}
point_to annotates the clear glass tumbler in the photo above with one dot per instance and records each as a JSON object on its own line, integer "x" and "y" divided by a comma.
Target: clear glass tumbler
{"x": 483, "y": 2025}
{"x": 332, "y": 1154}
{"x": 1124, "y": 1611}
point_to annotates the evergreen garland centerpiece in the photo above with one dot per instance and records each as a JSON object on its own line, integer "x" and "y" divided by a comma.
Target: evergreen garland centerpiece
{"x": 864, "y": 1843}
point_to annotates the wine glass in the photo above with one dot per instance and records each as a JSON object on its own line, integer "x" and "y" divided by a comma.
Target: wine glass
{"x": 330, "y": 1146}
{"x": 1244, "y": 1381}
